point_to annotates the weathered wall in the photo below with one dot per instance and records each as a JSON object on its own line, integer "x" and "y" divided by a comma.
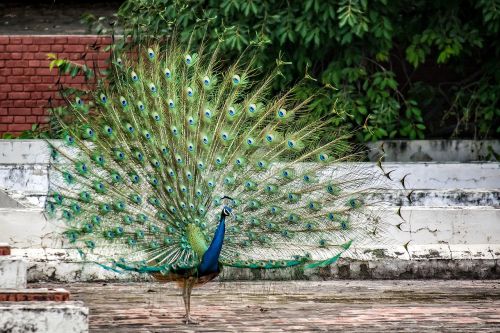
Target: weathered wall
{"x": 435, "y": 150}
{"x": 26, "y": 82}
{"x": 453, "y": 224}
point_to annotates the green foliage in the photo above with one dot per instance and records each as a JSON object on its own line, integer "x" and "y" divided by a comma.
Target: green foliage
{"x": 398, "y": 69}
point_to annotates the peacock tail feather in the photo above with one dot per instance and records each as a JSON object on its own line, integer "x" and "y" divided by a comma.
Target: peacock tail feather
{"x": 139, "y": 181}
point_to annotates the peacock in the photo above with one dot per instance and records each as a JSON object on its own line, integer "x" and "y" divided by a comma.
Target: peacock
{"x": 176, "y": 164}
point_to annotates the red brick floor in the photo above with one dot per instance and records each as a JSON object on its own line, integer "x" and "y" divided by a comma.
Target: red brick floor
{"x": 306, "y": 306}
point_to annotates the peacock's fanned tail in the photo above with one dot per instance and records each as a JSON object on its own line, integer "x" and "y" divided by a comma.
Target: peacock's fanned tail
{"x": 138, "y": 182}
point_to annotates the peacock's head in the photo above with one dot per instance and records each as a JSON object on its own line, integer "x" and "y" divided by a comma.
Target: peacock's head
{"x": 226, "y": 211}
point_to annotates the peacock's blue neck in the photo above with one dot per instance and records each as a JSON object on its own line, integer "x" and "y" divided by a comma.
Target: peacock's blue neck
{"x": 210, "y": 261}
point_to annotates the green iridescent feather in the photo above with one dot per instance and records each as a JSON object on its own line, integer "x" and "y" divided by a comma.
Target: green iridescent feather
{"x": 139, "y": 184}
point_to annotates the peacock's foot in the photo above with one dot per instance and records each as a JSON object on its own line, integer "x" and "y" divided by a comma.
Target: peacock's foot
{"x": 188, "y": 320}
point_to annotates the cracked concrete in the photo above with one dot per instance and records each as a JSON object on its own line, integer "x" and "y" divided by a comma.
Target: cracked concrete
{"x": 295, "y": 306}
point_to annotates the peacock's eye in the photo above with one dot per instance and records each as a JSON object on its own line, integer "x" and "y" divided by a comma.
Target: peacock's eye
{"x": 205, "y": 140}
{"x": 231, "y": 111}
{"x": 188, "y": 59}
{"x": 269, "y": 138}
{"x": 189, "y": 92}
{"x": 134, "y": 76}
{"x": 104, "y": 99}
{"x": 78, "y": 101}
{"x": 119, "y": 61}
{"x": 236, "y": 79}
{"x": 291, "y": 144}
{"x": 191, "y": 121}
{"x": 281, "y": 113}
{"x": 141, "y": 106}
{"x": 171, "y": 104}
{"x": 224, "y": 136}
{"x": 168, "y": 74}
{"x": 201, "y": 165}
{"x": 151, "y": 54}
{"x": 152, "y": 87}
{"x": 208, "y": 113}
{"x": 123, "y": 101}
{"x": 252, "y": 108}
{"x": 206, "y": 81}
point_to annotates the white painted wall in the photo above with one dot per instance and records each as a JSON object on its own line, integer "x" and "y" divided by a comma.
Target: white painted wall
{"x": 456, "y": 213}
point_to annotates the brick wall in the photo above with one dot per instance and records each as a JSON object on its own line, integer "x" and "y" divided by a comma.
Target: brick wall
{"x": 26, "y": 83}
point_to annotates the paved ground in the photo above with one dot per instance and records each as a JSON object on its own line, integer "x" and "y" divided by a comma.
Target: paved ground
{"x": 305, "y": 306}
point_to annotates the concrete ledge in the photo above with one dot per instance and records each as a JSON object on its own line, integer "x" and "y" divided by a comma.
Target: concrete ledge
{"x": 65, "y": 266}
{"x": 424, "y": 225}
{"x": 12, "y": 272}
{"x": 380, "y": 270}
{"x": 441, "y": 198}
{"x": 34, "y": 294}
{"x": 435, "y": 150}
{"x": 35, "y": 151}
{"x": 43, "y": 317}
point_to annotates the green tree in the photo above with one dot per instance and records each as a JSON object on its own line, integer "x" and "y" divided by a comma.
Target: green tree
{"x": 403, "y": 69}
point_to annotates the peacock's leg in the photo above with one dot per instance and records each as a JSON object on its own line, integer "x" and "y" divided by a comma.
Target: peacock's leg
{"x": 186, "y": 295}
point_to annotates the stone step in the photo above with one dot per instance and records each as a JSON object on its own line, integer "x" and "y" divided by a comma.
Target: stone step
{"x": 25, "y": 186}
{"x": 445, "y": 225}
{"x": 4, "y": 249}
{"x": 440, "y": 198}
{"x": 44, "y": 317}
{"x": 445, "y": 176}
{"x": 429, "y": 225}
{"x": 34, "y": 294}
{"x": 13, "y": 272}
{"x": 434, "y": 150}
{"x": 65, "y": 265}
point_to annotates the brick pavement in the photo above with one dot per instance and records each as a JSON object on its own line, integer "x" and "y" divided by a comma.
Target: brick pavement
{"x": 296, "y": 306}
